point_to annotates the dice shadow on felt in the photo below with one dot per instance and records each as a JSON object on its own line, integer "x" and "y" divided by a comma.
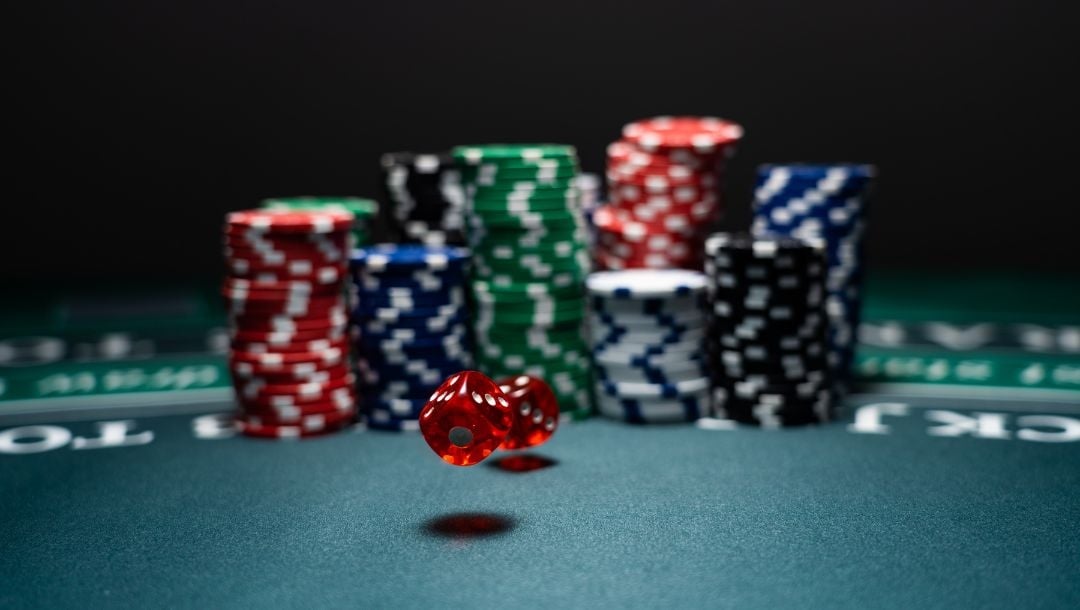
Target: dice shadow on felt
{"x": 469, "y": 525}
{"x": 522, "y": 463}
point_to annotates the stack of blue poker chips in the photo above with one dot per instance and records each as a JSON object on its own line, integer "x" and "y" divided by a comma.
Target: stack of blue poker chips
{"x": 826, "y": 202}
{"x": 409, "y": 327}
{"x": 647, "y": 330}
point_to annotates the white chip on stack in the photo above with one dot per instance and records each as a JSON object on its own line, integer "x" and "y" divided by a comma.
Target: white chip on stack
{"x": 647, "y": 330}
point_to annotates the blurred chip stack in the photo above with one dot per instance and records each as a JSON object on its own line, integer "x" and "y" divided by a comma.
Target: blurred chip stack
{"x": 826, "y": 202}
{"x": 287, "y": 318}
{"x": 767, "y": 334}
{"x": 590, "y": 195}
{"x": 363, "y": 210}
{"x": 588, "y": 186}
{"x": 424, "y": 199}
{"x": 648, "y": 330}
{"x": 528, "y": 239}
{"x": 410, "y": 327}
{"x": 665, "y": 179}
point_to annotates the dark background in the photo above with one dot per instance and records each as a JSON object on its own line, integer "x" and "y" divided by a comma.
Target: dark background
{"x": 135, "y": 125}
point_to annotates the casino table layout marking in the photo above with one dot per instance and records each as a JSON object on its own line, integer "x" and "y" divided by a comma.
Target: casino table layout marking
{"x": 907, "y": 501}
{"x": 977, "y": 418}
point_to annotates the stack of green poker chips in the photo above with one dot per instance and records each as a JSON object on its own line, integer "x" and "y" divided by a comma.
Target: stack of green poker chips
{"x": 364, "y": 210}
{"x": 527, "y": 233}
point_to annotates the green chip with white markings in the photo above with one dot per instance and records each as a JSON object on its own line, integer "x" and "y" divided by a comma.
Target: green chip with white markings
{"x": 573, "y": 387}
{"x": 562, "y": 347}
{"x": 359, "y": 207}
{"x": 498, "y": 205}
{"x": 525, "y": 237}
{"x": 539, "y": 318}
{"x": 512, "y": 153}
{"x": 526, "y": 291}
{"x": 514, "y": 249}
{"x": 523, "y": 186}
{"x": 548, "y": 164}
{"x": 493, "y": 175}
{"x": 532, "y": 267}
{"x": 554, "y": 192}
{"x": 526, "y": 229}
{"x": 549, "y": 219}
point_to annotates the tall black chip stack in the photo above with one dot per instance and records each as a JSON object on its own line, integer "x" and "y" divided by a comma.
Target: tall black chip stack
{"x": 767, "y": 337}
{"x": 424, "y": 199}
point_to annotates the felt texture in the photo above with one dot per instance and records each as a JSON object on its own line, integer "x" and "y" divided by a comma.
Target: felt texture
{"x": 618, "y": 516}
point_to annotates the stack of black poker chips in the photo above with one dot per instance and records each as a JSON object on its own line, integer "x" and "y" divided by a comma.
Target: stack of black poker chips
{"x": 767, "y": 339}
{"x": 424, "y": 199}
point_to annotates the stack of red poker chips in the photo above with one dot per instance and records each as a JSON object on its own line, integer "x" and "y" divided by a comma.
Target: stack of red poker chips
{"x": 288, "y": 316}
{"x": 664, "y": 177}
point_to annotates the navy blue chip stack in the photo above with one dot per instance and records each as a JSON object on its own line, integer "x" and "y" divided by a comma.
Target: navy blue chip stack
{"x": 409, "y": 327}
{"x": 648, "y": 328}
{"x": 767, "y": 336}
{"x": 826, "y": 202}
{"x": 425, "y": 199}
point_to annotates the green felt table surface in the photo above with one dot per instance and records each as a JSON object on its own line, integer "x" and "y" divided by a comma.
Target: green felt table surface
{"x": 623, "y": 517}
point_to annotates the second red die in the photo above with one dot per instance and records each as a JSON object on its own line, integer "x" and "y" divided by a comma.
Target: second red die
{"x": 535, "y": 410}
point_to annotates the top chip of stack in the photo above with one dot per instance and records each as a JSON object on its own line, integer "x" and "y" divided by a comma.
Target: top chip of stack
{"x": 410, "y": 327}
{"x": 767, "y": 334}
{"x": 528, "y": 240}
{"x": 828, "y": 203}
{"x": 363, "y": 211}
{"x": 648, "y": 328}
{"x": 287, "y": 319}
{"x": 665, "y": 179}
{"x": 424, "y": 198}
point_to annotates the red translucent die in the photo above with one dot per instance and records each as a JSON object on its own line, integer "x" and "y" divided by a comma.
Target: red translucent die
{"x": 466, "y": 418}
{"x": 535, "y": 410}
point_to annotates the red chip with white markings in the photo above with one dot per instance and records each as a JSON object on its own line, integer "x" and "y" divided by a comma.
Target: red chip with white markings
{"x": 254, "y": 389}
{"x": 665, "y": 180}
{"x": 291, "y": 308}
{"x": 332, "y": 320}
{"x": 622, "y": 152}
{"x": 289, "y": 286}
{"x": 700, "y": 134}
{"x": 273, "y": 430}
{"x": 325, "y": 357}
{"x": 288, "y": 319}
{"x": 284, "y": 413}
{"x": 290, "y": 344}
{"x": 289, "y": 221}
{"x": 316, "y": 272}
{"x": 246, "y": 372}
{"x": 343, "y": 395}
{"x": 239, "y": 298}
{"x": 310, "y": 422}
